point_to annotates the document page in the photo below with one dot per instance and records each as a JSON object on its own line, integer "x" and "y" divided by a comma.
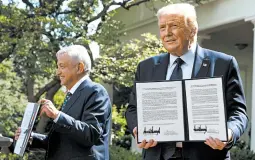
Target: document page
{"x": 160, "y": 111}
{"x": 205, "y": 108}
{"x": 26, "y": 128}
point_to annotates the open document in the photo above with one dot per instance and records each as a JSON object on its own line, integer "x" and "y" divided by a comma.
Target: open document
{"x": 186, "y": 110}
{"x": 26, "y": 128}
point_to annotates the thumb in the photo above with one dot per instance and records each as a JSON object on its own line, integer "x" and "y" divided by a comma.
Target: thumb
{"x": 135, "y": 131}
{"x": 41, "y": 101}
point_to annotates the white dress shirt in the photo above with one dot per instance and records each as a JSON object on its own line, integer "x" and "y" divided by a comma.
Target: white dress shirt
{"x": 187, "y": 66}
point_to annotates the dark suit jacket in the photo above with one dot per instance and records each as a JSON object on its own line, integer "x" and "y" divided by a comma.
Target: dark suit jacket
{"x": 218, "y": 64}
{"x": 82, "y": 130}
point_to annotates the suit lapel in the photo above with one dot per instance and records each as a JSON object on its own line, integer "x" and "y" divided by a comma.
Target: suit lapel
{"x": 160, "y": 67}
{"x": 75, "y": 96}
{"x": 201, "y": 64}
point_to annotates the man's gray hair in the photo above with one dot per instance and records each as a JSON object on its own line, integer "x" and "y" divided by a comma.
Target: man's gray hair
{"x": 185, "y": 9}
{"x": 78, "y": 53}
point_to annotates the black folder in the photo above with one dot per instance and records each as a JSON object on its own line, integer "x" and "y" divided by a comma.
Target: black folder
{"x": 198, "y": 100}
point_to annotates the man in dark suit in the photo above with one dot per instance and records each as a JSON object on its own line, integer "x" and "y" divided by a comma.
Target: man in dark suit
{"x": 184, "y": 60}
{"x": 81, "y": 129}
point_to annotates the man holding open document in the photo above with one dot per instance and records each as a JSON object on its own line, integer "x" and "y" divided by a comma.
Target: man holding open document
{"x": 186, "y": 61}
{"x": 81, "y": 129}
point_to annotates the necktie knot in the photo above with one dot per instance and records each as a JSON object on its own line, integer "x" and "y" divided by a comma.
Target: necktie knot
{"x": 68, "y": 96}
{"x": 179, "y": 61}
{"x": 177, "y": 72}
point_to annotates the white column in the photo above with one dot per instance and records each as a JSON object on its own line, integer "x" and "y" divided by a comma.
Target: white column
{"x": 252, "y": 118}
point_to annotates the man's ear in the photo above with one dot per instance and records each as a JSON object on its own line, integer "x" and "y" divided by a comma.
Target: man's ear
{"x": 193, "y": 32}
{"x": 80, "y": 67}
{"x": 192, "y": 29}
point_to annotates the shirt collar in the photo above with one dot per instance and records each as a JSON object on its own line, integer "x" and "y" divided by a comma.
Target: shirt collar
{"x": 188, "y": 57}
{"x": 77, "y": 84}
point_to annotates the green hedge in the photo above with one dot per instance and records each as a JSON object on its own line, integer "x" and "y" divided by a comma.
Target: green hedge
{"x": 116, "y": 153}
{"x": 241, "y": 151}
{"x": 119, "y": 153}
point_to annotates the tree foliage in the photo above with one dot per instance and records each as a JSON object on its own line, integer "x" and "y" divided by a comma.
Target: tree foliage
{"x": 31, "y": 35}
{"x": 12, "y": 100}
{"x": 118, "y": 63}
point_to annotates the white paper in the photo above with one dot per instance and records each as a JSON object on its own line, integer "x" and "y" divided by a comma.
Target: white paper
{"x": 160, "y": 111}
{"x": 26, "y": 127}
{"x": 205, "y": 108}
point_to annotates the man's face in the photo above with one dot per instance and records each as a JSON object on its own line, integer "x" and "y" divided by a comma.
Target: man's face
{"x": 174, "y": 34}
{"x": 67, "y": 71}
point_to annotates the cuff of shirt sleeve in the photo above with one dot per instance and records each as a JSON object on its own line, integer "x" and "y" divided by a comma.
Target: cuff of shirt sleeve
{"x": 230, "y": 142}
{"x": 56, "y": 119}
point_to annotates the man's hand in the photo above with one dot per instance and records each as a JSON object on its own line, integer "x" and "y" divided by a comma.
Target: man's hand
{"x": 48, "y": 109}
{"x": 144, "y": 144}
{"x": 17, "y": 133}
{"x": 215, "y": 143}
